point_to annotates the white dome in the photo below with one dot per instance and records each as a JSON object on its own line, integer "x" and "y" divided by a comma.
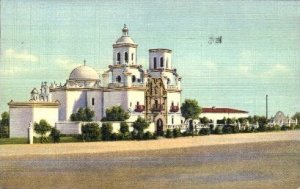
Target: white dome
{"x": 125, "y": 39}
{"x": 84, "y": 73}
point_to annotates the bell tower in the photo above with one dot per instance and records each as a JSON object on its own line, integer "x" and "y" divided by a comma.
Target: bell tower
{"x": 125, "y": 49}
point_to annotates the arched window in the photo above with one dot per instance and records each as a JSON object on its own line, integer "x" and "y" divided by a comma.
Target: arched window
{"x": 154, "y": 63}
{"x": 167, "y": 63}
{"x": 133, "y": 78}
{"x": 168, "y": 81}
{"x": 172, "y": 119}
{"x": 93, "y": 101}
{"x": 118, "y": 79}
{"x": 161, "y": 62}
{"x": 126, "y": 57}
{"x": 132, "y": 56}
{"x": 118, "y": 57}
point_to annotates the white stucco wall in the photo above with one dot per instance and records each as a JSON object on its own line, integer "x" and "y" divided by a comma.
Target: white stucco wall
{"x": 220, "y": 116}
{"x": 115, "y": 98}
{"x": 74, "y": 101}
{"x": 61, "y": 97}
{"x": 97, "y": 107}
{"x": 20, "y": 117}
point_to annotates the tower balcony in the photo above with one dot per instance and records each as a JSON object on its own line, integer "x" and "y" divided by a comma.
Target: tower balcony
{"x": 139, "y": 108}
{"x": 174, "y": 109}
{"x": 157, "y": 108}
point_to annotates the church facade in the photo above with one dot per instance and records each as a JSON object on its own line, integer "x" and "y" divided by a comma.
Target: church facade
{"x": 153, "y": 93}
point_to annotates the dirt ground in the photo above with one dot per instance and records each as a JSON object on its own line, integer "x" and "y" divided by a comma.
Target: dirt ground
{"x": 267, "y": 160}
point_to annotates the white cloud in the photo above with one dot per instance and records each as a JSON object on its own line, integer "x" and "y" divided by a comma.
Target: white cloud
{"x": 66, "y": 64}
{"x": 276, "y": 70}
{"x": 210, "y": 65}
{"x": 23, "y": 56}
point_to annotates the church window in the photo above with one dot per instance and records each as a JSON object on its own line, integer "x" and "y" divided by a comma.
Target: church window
{"x": 161, "y": 62}
{"x": 132, "y": 56}
{"x": 126, "y": 57}
{"x": 133, "y": 79}
{"x": 93, "y": 101}
{"x": 172, "y": 119}
{"x": 118, "y": 79}
{"x": 154, "y": 63}
{"x": 130, "y": 104}
{"x": 167, "y": 63}
{"x": 118, "y": 57}
{"x": 168, "y": 81}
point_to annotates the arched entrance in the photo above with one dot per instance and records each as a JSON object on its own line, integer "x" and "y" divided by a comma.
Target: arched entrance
{"x": 159, "y": 127}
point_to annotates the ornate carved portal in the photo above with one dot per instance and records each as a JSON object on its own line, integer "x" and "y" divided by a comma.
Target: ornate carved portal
{"x": 156, "y": 103}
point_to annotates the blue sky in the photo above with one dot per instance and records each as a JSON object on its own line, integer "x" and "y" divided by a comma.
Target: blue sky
{"x": 259, "y": 55}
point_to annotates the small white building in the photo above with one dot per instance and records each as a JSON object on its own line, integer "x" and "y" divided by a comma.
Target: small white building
{"x": 216, "y": 114}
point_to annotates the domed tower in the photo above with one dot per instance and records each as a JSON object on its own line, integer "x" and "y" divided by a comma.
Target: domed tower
{"x": 124, "y": 50}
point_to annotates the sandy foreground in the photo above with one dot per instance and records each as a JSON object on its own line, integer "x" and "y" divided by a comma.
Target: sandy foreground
{"x": 160, "y": 144}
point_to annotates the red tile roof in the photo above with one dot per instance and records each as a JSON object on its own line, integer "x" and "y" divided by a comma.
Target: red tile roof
{"x": 222, "y": 110}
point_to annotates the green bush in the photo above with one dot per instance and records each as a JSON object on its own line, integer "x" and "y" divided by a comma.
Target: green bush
{"x": 55, "y": 135}
{"x": 235, "y": 129}
{"x": 169, "y": 133}
{"x": 42, "y": 128}
{"x": 285, "y": 128}
{"x": 204, "y": 131}
{"x": 227, "y": 129}
{"x": 90, "y": 132}
{"x": 148, "y": 135}
{"x": 218, "y": 130}
{"x": 297, "y": 126}
{"x": 176, "y": 133}
{"x": 277, "y": 128}
{"x": 106, "y": 131}
{"x": 115, "y": 136}
{"x": 83, "y": 114}
{"x": 140, "y": 125}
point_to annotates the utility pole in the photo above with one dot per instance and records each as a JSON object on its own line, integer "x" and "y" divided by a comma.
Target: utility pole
{"x": 266, "y": 106}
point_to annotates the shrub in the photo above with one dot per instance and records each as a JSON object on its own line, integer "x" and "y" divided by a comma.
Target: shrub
{"x": 262, "y": 128}
{"x": 227, "y": 129}
{"x": 115, "y": 136}
{"x": 42, "y": 128}
{"x": 148, "y": 135}
{"x": 277, "y": 128}
{"x": 169, "y": 133}
{"x": 297, "y": 126}
{"x": 218, "y": 130}
{"x": 106, "y": 131}
{"x": 116, "y": 113}
{"x": 235, "y": 129}
{"x": 204, "y": 131}
{"x": 55, "y": 135}
{"x": 90, "y": 132}
{"x": 83, "y": 114}
{"x": 176, "y": 133}
{"x": 140, "y": 125}
{"x": 285, "y": 128}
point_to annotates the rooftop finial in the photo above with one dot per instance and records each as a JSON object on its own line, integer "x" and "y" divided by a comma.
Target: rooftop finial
{"x": 125, "y": 30}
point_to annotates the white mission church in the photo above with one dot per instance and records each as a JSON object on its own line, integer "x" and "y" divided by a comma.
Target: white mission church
{"x": 154, "y": 94}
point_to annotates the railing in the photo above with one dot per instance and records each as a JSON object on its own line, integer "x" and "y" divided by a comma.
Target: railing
{"x": 157, "y": 107}
{"x": 113, "y": 85}
{"x": 172, "y": 87}
{"x": 174, "y": 109}
{"x": 138, "y": 85}
{"x": 139, "y": 108}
